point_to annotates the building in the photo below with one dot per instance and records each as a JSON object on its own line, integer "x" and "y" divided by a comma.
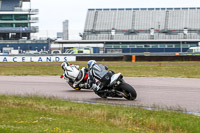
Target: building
{"x": 15, "y": 22}
{"x": 16, "y": 28}
{"x": 65, "y": 30}
{"x": 130, "y": 46}
{"x": 24, "y": 46}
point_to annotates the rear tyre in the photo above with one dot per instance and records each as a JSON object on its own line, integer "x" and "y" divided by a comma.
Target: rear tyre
{"x": 129, "y": 91}
{"x": 102, "y": 95}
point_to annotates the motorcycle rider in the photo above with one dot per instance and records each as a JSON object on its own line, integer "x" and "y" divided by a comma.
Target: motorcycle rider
{"x": 99, "y": 72}
{"x": 73, "y": 75}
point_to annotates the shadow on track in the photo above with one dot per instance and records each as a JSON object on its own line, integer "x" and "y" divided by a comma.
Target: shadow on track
{"x": 78, "y": 91}
{"x": 109, "y": 99}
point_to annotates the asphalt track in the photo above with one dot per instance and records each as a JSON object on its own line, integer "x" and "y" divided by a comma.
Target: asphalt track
{"x": 176, "y": 93}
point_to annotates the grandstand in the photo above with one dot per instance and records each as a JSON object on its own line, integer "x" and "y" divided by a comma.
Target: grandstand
{"x": 140, "y": 30}
{"x": 142, "y": 24}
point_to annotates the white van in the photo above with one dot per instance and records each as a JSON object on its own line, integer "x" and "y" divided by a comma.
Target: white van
{"x": 194, "y": 50}
{"x": 79, "y": 51}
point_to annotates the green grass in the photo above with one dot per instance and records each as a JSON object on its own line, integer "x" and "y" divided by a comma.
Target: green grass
{"x": 185, "y": 71}
{"x": 139, "y": 70}
{"x": 40, "y": 115}
{"x": 30, "y": 70}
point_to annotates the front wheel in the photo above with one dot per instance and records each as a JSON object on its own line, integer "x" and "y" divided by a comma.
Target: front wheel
{"x": 129, "y": 91}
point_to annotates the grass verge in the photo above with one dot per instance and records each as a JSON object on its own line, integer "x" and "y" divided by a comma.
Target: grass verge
{"x": 46, "y": 115}
{"x": 173, "y": 69}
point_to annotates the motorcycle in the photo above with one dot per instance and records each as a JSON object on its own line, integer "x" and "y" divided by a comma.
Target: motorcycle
{"x": 118, "y": 88}
{"x": 76, "y": 78}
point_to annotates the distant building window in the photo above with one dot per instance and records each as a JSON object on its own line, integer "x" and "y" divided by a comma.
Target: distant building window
{"x": 193, "y": 45}
{"x": 114, "y": 51}
{"x": 108, "y": 46}
{"x": 124, "y": 46}
{"x": 20, "y": 17}
{"x": 147, "y": 46}
{"x": 185, "y": 46}
{"x": 177, "y": 46}
{"x": 116, "y": 46}
{"x": 169, "y": 8}
{"x": 162, "y": 45}
{"x": 6, "y": 25}
{"x": 170, "y": 46}
{"x": 131, "y": 46}
{"x": 6, "y": 17}
{"x": 21, "y": 25}
{"x": 139, "y": 46}
{"x": 99, "y": 9}
{"x": 154, "y": 46}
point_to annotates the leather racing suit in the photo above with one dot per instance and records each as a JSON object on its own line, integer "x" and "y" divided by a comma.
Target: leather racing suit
{"x": 98, "y": 77}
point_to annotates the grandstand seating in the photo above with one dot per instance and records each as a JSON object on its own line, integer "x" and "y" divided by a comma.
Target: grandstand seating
{"x": 136, "y": 23}
{"x": 8, "y": 5}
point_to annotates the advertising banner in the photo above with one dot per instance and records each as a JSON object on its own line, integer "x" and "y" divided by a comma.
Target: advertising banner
{"x": 37, "y": 58}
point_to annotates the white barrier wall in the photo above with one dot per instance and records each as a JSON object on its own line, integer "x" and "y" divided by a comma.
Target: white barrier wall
{"x": 37, "y": 58}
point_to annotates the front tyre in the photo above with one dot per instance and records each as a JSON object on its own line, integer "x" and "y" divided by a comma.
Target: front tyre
{"x": 129, "y": 91}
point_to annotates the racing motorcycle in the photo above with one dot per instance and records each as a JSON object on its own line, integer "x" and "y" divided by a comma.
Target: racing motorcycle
{"x": 118, "y": 88}
{"x": 76, "y": 78}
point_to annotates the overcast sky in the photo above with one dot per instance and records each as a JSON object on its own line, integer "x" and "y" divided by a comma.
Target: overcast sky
{"x": 53, "y": 12}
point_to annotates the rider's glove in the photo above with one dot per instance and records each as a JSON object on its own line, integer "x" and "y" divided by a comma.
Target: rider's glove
{"x": 95, "y": 87}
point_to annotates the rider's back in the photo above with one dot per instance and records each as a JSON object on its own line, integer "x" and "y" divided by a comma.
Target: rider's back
{"x": 99, "y": 71}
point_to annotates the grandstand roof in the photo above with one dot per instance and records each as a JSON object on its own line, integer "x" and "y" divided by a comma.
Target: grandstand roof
{"x": 112, "y": 9}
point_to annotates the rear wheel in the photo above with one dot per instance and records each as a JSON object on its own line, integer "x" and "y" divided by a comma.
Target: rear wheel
{"x": 129, "y": 91}
{"x": 101, "y": 94}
